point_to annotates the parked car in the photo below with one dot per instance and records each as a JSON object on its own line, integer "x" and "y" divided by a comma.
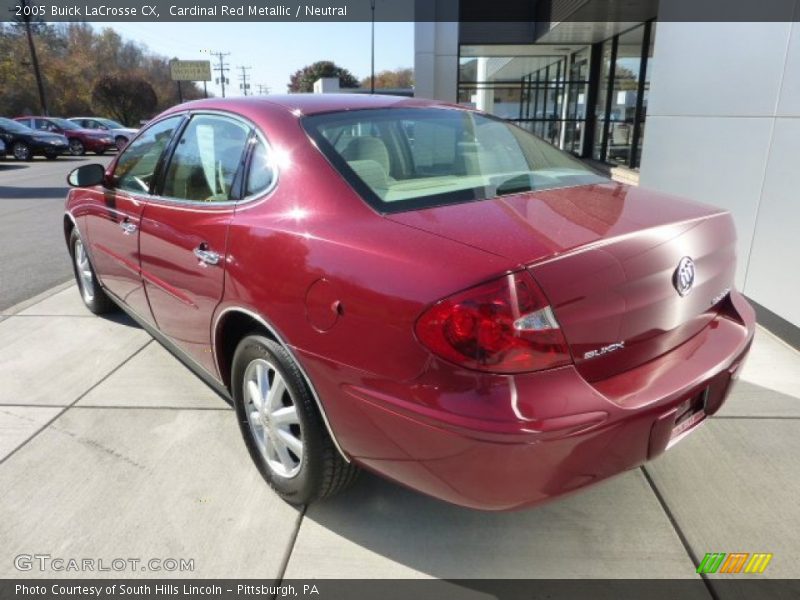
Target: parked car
{"x": 23, "y": 143}
{"x": 476, "y": 314}
{"x": 2, "y": 149}
{"x": 119, "y": 132}
{"x": 80, "y": 140}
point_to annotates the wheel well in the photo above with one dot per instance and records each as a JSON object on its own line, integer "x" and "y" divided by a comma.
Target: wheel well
{"x": 68, "y": 227}
{"x": 233, "y": 328}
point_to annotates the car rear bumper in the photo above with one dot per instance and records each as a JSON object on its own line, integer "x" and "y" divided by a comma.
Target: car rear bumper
{"x": 562, "y": 432}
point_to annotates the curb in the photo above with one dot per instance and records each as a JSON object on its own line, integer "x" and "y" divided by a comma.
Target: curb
{"x": 18, "y": 308}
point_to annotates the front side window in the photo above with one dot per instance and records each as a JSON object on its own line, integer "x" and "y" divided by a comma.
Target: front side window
{"x": 205, "y": 162}
{"x": 137, "y": 164}
{"x": 43, "y": 125}
{"x": 403, "y": 159}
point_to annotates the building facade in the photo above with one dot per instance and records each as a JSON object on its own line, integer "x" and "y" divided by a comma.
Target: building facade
{"x": 706, "y": 110}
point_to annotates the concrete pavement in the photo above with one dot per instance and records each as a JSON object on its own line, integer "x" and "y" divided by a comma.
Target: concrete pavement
{"x": 109, "y": 447}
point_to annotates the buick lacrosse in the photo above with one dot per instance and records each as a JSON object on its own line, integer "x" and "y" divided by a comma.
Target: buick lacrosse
{"x": 414, "y": 288}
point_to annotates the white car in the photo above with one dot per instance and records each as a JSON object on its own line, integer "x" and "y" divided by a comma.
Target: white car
{"x": 121, "y": 133}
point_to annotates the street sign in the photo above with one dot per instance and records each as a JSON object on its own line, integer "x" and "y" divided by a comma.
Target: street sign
{"x": 190, "y": 70}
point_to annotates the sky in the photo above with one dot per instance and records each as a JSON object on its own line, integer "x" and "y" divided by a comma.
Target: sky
{"x": 276, "y": 50}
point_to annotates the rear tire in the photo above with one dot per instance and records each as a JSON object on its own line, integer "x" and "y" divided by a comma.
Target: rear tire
{"x": 120, "y": 142}
{"x": 92, "y": 294}
{"x": 281, "y": 424}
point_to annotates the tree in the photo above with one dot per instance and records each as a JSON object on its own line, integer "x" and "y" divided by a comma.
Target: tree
{"x": 397, "y": 78}
{"x": 72, "y": 58}
{"x": 303, "y": 79}
{"x": 127, "y": 99}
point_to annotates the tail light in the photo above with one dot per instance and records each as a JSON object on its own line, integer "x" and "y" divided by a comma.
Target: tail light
{"x": 504, "y": 326}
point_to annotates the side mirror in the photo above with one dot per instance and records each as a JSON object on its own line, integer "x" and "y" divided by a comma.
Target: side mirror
{"x": 87, "y": 176}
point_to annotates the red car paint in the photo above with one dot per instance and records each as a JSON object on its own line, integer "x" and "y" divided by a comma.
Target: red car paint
{"x": 343, "y": 286}
{"x": 92, "y": 140}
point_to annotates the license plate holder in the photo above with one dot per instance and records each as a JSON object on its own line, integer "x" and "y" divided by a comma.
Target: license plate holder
{"x": 689, "y": 414}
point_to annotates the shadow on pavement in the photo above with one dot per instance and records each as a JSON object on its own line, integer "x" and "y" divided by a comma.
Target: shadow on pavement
{"x": 31, "y": 193}
{"x": 11, "y": 166}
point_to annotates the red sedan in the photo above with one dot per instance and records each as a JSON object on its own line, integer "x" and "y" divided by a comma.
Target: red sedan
{"x": 80, "y": 140}
{"x": 414, "y": 288}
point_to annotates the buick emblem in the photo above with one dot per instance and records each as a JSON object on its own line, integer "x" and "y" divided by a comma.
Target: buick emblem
{"x": 683, "y": 278}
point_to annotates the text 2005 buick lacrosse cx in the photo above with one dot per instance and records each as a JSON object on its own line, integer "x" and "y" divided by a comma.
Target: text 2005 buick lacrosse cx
{"x": 414, "y": 288}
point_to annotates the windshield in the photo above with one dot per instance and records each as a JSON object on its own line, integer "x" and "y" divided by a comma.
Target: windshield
{"x": 403, "y": 159}
{"x": 64, "y": 124}
{"x": 14, "y": 127}
{"x": 111, "y": 124}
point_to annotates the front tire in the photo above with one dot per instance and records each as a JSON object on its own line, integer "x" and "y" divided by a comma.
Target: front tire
{"x": 76, "y": 147}
{"x": 22, "y": 151}
{"x": 93, "y": 296}
{"x": 281, "y": 425}
{"x": 120, "y": 142}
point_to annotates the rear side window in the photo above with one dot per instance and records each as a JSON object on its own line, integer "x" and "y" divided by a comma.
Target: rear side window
{"x": 206, "y": 159}
{"x": 411, "y": 158}
{"x": 137, "y": 164}
{"x": 262, "y": 170}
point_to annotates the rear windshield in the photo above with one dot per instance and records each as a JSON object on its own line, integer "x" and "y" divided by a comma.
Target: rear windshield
{"x": 14, "y": 126}
{"x": 404, "y": 159}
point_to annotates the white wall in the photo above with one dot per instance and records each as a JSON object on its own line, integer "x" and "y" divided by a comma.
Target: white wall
{"x": 436, "y": 60}
{"x": 723, "y": 127}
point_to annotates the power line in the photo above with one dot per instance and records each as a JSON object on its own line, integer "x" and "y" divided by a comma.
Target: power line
{"x": 221, "y": 69}
{"x": 244, "y": 86}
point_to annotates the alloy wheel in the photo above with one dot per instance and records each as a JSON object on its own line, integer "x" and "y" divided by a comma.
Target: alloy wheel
{"x": 21, "y": 151}
{"x": 84, "y": 269}
{"x": 272, "y": 415}
{"x": 76, "y": 147}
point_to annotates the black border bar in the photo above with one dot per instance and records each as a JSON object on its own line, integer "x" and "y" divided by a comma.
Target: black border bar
{"x": 465, "y": 11}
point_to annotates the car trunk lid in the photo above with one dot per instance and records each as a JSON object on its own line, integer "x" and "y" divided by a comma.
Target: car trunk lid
{"x": 606, "y": 256}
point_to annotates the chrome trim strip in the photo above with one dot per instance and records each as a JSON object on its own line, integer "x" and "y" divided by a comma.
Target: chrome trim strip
{"x": 288, "y": 349}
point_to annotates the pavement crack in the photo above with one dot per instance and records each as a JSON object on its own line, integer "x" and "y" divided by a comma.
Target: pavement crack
{"x": 74, "y": 402}
{"x": 290, "y": 548}
{"x": 678, "y": 531}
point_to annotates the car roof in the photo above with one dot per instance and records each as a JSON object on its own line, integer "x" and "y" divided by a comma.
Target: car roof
{"x": 310, "y": 104}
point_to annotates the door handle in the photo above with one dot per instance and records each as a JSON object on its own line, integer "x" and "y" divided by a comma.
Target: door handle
{"x": 206, "y": 256}
{"x": 127, "y": 227}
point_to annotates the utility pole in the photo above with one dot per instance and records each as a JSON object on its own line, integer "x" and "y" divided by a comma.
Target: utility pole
{"x": 263, "y": 90}
{"x": 221, "y": 69}
{"x": 244, "y": 86}
{"x": 34, "y": 58}
{"x": 372, "y": 68}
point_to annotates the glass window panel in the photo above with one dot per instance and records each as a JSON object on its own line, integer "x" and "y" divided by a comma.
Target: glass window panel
{"x": 602, "y": 92}
{"x": 206, "y": 160}
{"x": 137, "y": 164}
